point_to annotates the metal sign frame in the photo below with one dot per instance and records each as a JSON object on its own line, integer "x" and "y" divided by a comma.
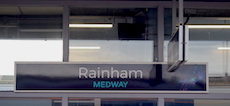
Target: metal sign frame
{"x": 178, "y": 50}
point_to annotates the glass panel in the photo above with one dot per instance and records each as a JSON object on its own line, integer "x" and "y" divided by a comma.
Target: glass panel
{"x": 196, "y": 102}
{"x": 205, "y": 44}
{"x": 206, "y": 51}
{"x": 167, "y": 23}
{"x": 131, "y": 36}
{"x": 112, "y": 102}
{"x": 81, "y": 102}
{"x": 129, "y": 102}
{"x": 30, "y": 101}
{"x": 211, "y": 102}
{"x": 113, "y": 50}
{"x": 179, "y": 102}
{"x": 28, "y": 34}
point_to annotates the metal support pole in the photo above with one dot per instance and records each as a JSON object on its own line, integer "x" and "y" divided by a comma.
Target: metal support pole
{"x": 65, "y": 33}
{"x": 97, "y": 102}
{"x": 160, "y": 101}
{"x": 64, "y": 101}
{"x": 160, "y": 33}
{"x": 174, "y": 20}
{"x": 181, "y": 12}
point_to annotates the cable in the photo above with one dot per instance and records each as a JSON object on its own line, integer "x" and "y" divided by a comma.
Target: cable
{"x": 187, "y": 19}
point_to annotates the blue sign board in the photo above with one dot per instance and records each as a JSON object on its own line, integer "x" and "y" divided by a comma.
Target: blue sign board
{"x": 106, "y": 77}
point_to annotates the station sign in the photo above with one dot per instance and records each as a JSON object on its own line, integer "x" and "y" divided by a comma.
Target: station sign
{"x": 109, "y": 77}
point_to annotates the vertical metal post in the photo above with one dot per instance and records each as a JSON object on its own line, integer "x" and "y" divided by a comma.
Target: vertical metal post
{"x": 160, "y": 32}
{"x": 97, "y": 102}
{"x": 65, "y": 33}
{"x": 64, "y": 101}
{"x": 181, "y": 26}
{"x": 181, "y": 12}
{"x": 160, "y": 101}
{"x": 225, "y": 59}
{"x": 174, "y": 20}
{"x": 227, "y": 56}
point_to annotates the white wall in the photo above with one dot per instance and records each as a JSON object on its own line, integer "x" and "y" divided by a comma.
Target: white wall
{"x": 28, "y": 50}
